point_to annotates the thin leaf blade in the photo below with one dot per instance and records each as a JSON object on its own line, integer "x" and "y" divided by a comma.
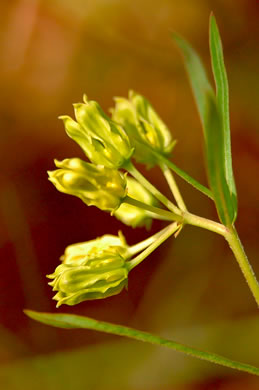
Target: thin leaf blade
{"x": 69, "y": 321}
{"x": 185, "y": 176}
{"x": 212, "y": 126}
{"x": 197, "y": 75}
{"x": 222, "y": 93}
{"x": 214, "y": 139}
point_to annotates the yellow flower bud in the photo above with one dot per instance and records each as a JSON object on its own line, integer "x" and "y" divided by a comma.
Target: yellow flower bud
{"x": 103, "y": 141}
{"x": 145, "y": 128}
{"x": 101, "y": 275}
{"x": 78, "y": 254}
{"x": 135, "y": 216}
{"x": 95, "y": 185}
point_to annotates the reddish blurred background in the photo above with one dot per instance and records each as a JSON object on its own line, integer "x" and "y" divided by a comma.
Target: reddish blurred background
{"x": 190, "y": 289}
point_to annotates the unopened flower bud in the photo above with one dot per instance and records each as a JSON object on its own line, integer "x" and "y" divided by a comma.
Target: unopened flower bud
{"x": 103, "y": 141}
{"x": 145, "y": 128}
{"x": 79, "y": 253}
{"x": 132, "y": 215}
{"x": 101, "y": 275}
{"x": 95, "y": 185}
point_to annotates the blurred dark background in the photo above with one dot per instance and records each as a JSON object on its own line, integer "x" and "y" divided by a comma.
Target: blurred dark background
{"x": 190, "y": 289}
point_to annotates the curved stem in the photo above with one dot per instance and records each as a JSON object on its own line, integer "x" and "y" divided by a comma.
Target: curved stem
{"x": 162, "y": 198}
{"x": 167, "y": 215}
{"x": 173, "y": 186}
{"x": 171, "y": 229}
{"x": 240, "y": 255}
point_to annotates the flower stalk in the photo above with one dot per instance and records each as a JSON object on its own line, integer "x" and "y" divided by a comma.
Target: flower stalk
{"x": 134, "y": 249}
{"x": 166, "y": 215}
{"x": 171, "y": 229}
{"x": 173, "y": 186}
{"x": 162, "y": 198}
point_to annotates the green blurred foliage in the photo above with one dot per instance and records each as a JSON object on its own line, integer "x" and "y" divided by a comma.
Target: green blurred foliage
{"x": 51, "y": 53}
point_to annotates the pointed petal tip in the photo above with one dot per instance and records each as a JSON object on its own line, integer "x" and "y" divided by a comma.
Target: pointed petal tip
{"x": 85, "y": 99}
{"x": 58, "y": 163}
{"x": 63, "y": 117}
{"x": 131, "y": 94}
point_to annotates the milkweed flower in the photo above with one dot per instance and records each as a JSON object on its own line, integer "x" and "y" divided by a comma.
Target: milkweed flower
{"x": 145, "y": 128}
{"x": 103, "y": 141}
{"x": 95, "y": 185}
{"x": 100, "y": 274}
{"x": 77, "y": 254}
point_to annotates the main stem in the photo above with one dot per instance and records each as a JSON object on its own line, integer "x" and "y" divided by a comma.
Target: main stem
{"x": 233, "y": 240}
{"x": 240, "y": 255}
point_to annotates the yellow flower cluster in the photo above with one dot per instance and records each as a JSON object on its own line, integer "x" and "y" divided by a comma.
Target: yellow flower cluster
{"x": 99, "y": 268}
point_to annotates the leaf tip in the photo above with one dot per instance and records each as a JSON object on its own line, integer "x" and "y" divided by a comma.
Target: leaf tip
{"x": 213, "y": 22}
{"x": 29, "y": 313}
{"x": 174, "y": 35}
{"x": 212, "y": 15}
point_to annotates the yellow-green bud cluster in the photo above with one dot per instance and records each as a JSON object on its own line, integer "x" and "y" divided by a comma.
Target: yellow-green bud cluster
{"x": 99, "y": 268}
{"x": 76, "y": 254}
{"x": 103, "y": 141}
{"x": 95, "y": 185}
{"x": 144, "y": 127}
{"x": 91, "y": 270}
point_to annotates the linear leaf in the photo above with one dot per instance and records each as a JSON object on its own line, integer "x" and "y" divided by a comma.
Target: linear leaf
{"x": 185, "y": 176}
{"x": 212, "y": 129}
{"x": 221, "y": 81}
{"x": 215, "y": 157}
{"x": 70, "y": 321}
{"x": 197, "y": 74}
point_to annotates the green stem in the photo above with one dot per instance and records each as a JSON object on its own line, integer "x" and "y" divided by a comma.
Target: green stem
{"x": 194, "y": 183}
{"x": 173, "y": 186}
{"x": 70, "y": 321}
{"x": 232, "y": 238}
{"x": 240, "y": 255}
{"x": 204, "y": 223}
{"x": 162, "y": 198}
{"x": 171, "y": 229}
{"x": 134, "y": 249}
{"x": 167, "y": 215}
{"x": 160, "y": 217}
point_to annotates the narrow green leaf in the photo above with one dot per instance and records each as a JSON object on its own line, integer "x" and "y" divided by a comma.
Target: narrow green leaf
{"x": 70, "y": 321}
{"x": 212, "y": 129}
{"x": 215, "y": 157}
{"x": 221, "y": 81}
{"x": 185, "y": 176}
{"x": 197, "y": 74}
